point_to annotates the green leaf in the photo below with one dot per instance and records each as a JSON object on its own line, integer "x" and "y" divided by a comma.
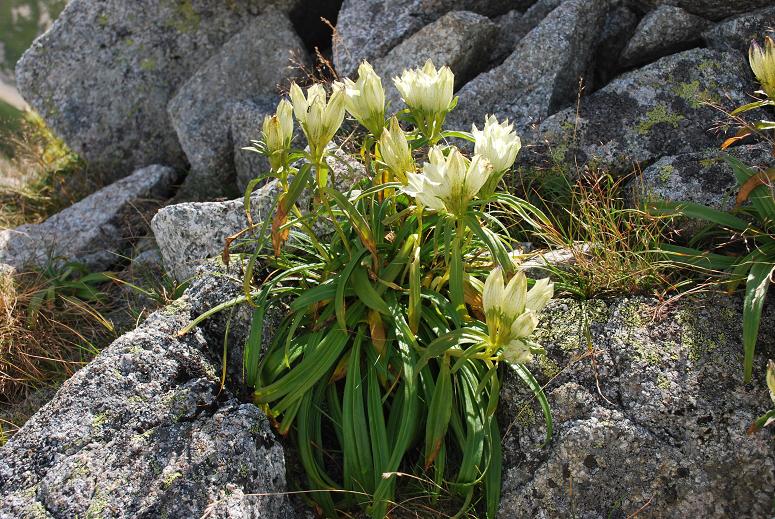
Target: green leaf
{"x": 755, "y": 293}
{"x": 693, "y": 210}
{"x": 439, "y": 413}
{"x": 377, "y": 431}
{"x": 751, "y": 106}
{"x": 342, "y": 284}
{"x": 356, "y": 445}
{"x": 533, "y": 384}
{"x": 697, "y": 258}
{"x": 365, "y": 291}
{"x": 492, "y": 242}
{"x": 492, "y": 482}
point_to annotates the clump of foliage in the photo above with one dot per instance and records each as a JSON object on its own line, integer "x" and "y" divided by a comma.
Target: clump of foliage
{"x": 51, "y": 321}
{"x": 743, "y": 240}
{"x": 399, "y": 295}
{"x": 41, "y": 175}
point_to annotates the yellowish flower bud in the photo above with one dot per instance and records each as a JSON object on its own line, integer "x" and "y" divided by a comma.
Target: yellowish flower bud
{"x": 319, "y": 118}
{"x": 517, "y": 352}
{"x": 395, "y": 151}
{"x": 448, "y": 183}
{"x": 771, "y": 379}
{"x": 762, "y": 62}
{"x": 365, "y": 99}
{"x": 427, "y": 90}
{"x": 278, "y": 132}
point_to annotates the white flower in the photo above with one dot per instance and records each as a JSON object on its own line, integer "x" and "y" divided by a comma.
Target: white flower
{"x": 319, "y": 119}
{"x": 427, "y": 89}
{"x": 395, "y": 151}
{"x": 278, "y": 132}
{"x": 497, "y": 142}
{"x": 511, "y": 312}
{"x": 448, "y": 183}
{"x": 771, "y": 379}
{"x": 365, "y": 99}
{"x": 763, "y": 64}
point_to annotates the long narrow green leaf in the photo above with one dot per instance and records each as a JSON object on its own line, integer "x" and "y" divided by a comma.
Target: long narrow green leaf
{"x": 693, "y": 210}
{"x": 365, "y": 291}
{"x": 342, "y": 283}
{"x": 492, "y": 482}
{"x": 755, "y": 293}
{"x": 439, "y": 413}
{"x": 355, "y": 428}
{"x": 533, "y": 384}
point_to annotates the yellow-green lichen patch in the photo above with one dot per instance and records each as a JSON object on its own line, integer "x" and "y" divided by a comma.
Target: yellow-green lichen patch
{"x": 97, "y": 505}
{"x": 187, "y": 19}
{"x": 148, "y": 64}
{"x": 660, "y": 114}
{"x": 169, "y": 479}
{"x": 665, "y": 172}
{"x": 567, "y": 326}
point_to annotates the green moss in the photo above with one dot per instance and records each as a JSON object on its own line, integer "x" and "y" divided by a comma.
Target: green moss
{"x": 97, "y": 505}
{"x": 660, "y": 114}
{"x": 566, "y": 327}
{"x": 707, "y": 163}
{"x": 708, "y": 65}
{"x": 103, "y": 20}
{"x": 169, "y": 479}
{"x": 665, "y": 172}
{"x": 187, "y": 19}
{"x": 148, "y": 64}
{"x": 98, "y": 420}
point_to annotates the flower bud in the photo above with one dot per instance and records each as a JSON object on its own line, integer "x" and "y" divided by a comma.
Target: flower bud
{"x": 763, "y": 65}
{"x": 319, "y": 119}
{"x": 365, "y": 99}
{"x": 395, "y": 151}
{"x": 771, "y": 379}
{"x": 278, "y": 132}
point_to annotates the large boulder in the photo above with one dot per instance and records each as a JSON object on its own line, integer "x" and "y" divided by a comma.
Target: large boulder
{"x": 246, "y": 123}
{"x": 650, "y": 414}
{"x": 102, "y": 76}
{"x": 711, "y": 9}
{"x": 189, "y": 233}
{"x": 95, "y": 231}
{"x": 462, "y": 40}
{"x": 542, "y": 75}
{"x": 648, "y": 113}
{"x": 663, "y": 31}
{"x": 259, "y": 60}
{"x": 368, "y": 29}
{"x": 514, "y": 25}
{"x": 146, "y": 430}
{"x": 737, "y": 32}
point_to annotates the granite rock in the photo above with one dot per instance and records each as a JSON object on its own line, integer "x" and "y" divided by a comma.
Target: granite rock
{"x": 737, "y": 32}
{"x": 710, "y": 9}
{"x": 95, "y": 231}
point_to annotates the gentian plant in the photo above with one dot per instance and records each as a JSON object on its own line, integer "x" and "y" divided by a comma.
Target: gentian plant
{"x": 399, "y": 297}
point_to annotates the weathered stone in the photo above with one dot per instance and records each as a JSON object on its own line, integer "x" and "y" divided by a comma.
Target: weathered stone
{"x": 650, "y": 414}
{"x": 619, "y": 25}
{"x": 648, "y": 113}
{"x": 663, "y": 31}
{"x": 104, "y": 73}
{"x": 703, "y": 178}
{"x": 737, "y": 33}
{"x": 462, "y": 40}
{"x": 94, "y": 231}
{"x": 514, "y": 25}
{"x": 254, "y": 62}
{"x": 146, "y": 431}
{"x": 247, "y": 118}
{"x": 710, "y": 9}
{"x": 188, "y": 233}
{"x": 368, "y": 29}
{"x": 541, "y": 75}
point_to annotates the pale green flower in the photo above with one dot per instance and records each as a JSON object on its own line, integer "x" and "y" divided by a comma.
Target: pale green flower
{"x": 319, "y": 118}
{"x": 395, "y": 151}
{"x": 365, "y": 99}
{"x": 448, "y": 183}
{"x": 278, "y": 132}
{"x": 511, "y": 312}
{"x": 497, "y": 142}
{"x": 427, "y": 89}
{"x": 763, "y": 64}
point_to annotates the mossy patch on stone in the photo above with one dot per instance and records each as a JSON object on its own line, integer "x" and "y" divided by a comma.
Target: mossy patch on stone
{"x": 660, "y": 114}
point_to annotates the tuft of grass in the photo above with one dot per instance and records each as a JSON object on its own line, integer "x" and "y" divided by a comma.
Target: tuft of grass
{"x": 52, "y": 322}
{"x": 612, "y": 249}
{"x": 40, "y": 174}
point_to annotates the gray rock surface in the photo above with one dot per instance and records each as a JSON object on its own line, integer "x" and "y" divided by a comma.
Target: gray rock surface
{"x": 256, "y": 61}
{"x": 648, "y": 113}
{"x": 246, "y": 122}
{"x": 663, "y": 31}
{"x": 514, "y": 25}
{"x": 94, "y": 231}
{"x": 711, "y": 9}
{"x": 145, "y": 431}
{"x": 541, "y": 75}
{"x": 462, "y": 40}
{"x": 368, "y": 29}
{"x": 188, "y": 233}
{"x": 619, "y": 26}
{"x": 737, "y": 32}
{"x": 649, "y": 413}
{"x": 703, "y": 178}
{"x": 104, "y": 73}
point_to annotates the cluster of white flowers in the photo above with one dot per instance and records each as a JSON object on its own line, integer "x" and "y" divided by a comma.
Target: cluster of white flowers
{"x": 319, "y": 118}
{"x": 511, "y": 312}
{"x": 762, "y": 62}
{"x": 427, "y": 90}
